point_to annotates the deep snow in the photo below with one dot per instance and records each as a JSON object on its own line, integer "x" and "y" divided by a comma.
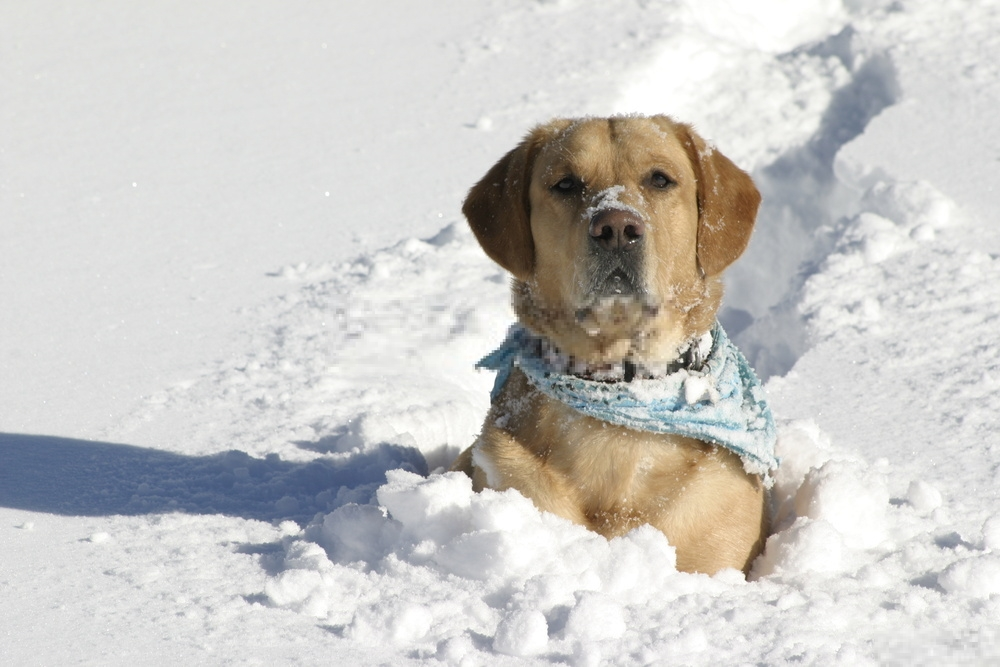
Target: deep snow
{"x": 231, "y": 240}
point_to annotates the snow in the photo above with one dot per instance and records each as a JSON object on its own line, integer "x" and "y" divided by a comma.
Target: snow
{"x": 241, "y": 314}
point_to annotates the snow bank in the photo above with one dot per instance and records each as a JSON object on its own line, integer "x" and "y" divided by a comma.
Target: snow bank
{"x": 436, "y": 562}
{"x": 448, "y": 573}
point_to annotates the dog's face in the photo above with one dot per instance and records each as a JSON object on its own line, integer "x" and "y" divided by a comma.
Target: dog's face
{"x": 616, "y": 231}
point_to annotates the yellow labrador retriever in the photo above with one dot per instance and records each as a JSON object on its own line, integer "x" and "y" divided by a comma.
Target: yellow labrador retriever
{"x": 616, "y": 232}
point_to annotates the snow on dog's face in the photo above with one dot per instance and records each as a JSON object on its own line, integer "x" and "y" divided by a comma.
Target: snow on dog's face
{"x": 616, "y": 231}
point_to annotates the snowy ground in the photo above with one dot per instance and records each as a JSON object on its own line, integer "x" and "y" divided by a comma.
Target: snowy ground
{"x": 241, "y": 311}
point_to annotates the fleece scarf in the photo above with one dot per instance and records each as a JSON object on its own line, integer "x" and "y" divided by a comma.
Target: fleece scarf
{"x": 722, "y": 403}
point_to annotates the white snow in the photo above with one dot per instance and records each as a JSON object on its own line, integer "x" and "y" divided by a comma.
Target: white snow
{"x": 241, "y": 311}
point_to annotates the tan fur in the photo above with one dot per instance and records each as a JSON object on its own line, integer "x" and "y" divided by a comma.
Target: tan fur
{"x": 606, "y": 477}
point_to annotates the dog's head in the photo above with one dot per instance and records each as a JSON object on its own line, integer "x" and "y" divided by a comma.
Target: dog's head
{"x": 616, "y": 232}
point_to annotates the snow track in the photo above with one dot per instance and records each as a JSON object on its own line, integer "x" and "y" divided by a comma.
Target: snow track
{"x": 802, "y": 203}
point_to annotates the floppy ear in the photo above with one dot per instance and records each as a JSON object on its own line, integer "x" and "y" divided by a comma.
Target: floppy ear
{"x": 727, "y": 204}
{"x": 498, "y": 210}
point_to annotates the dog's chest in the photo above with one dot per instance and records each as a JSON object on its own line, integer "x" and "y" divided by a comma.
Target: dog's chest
{"x": 612, "y": 466}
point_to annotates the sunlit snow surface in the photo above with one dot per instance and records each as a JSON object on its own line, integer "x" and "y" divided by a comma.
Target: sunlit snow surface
{"x": 281, "y": 500}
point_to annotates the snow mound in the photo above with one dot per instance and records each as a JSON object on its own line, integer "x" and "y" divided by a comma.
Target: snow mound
{"x": 827, "y": 505}
{"x": 486, "y": 564}
{"x": 444, "y": 572}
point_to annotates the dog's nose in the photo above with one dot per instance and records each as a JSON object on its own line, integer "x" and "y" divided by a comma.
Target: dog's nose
{"x": 614, "y": 229}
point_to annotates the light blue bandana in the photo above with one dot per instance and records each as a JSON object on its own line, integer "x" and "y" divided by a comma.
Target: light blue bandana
{"x": 722, "y": 403}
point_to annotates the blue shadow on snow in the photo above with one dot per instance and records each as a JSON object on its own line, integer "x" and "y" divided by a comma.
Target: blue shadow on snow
{"x": 84, "y": 478}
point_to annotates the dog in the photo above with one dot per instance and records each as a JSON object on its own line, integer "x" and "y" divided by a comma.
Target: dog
{"x": 616, "y": 232}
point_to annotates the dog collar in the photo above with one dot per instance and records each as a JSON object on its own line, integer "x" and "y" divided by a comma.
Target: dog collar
{"x": 691, "y": 357}
{"x": 721, "y": 402}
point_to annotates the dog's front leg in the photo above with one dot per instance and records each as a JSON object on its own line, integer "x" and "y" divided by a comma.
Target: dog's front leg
{"x": 498, "y": 461}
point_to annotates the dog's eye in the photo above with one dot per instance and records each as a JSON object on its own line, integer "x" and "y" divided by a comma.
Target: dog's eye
{"x": 660, "y": 180}
{"x": 567, "y": 185}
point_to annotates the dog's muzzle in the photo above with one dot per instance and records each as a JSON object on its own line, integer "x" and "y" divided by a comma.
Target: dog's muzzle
{"x": 616, "y": 290}
{"x": 616, "y": 253}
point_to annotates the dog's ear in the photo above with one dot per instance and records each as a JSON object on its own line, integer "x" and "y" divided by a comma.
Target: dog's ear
{"x": 499, "y": 211}
{"x": 727, "y": 204}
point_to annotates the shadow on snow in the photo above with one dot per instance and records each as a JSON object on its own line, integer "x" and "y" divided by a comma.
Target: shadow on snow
{"x": 84, "y": 478}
